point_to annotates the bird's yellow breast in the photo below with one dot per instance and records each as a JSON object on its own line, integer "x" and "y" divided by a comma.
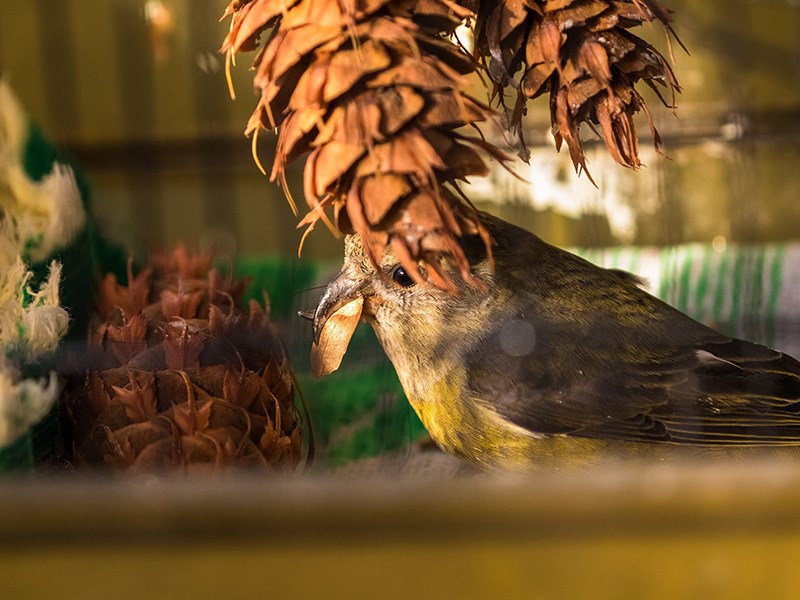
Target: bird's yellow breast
{"x": 468, "y": 427}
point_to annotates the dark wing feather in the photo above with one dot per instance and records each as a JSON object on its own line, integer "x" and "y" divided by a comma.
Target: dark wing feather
{"x": 610, "y": 361}
{"x": 719, "y": 391}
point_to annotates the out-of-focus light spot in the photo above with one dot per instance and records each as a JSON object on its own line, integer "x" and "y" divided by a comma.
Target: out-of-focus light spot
{"x": 209, "y": 63}
{"x": 158, "y": 15}
{"x": 549, "y": 182}
{"x": 733, "y": 129}
{"x": 713, "y": 149}
{"x": 161, "y": 24}
{"x": 517, "y": 338}
{"x": 719, "y": 243}
{"x": 693, "y": 78}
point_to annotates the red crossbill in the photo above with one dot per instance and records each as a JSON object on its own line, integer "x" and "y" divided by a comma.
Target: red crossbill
{"x": 549, "y": 355}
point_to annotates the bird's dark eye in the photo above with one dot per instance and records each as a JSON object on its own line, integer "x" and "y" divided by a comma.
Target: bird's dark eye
{"x": 400, "y": 277}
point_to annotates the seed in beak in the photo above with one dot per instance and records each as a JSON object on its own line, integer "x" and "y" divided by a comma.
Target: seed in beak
{"x": 326, "y": 356}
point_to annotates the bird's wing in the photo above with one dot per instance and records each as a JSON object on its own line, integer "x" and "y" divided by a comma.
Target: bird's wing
{"x": 687, "y": 384}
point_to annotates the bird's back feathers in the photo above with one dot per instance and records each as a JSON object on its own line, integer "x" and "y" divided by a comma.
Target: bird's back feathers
{"x": 607, "y": 360}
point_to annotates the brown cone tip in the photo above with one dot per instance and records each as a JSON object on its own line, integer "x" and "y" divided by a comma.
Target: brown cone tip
{"x": 583, "y": 54}
{"x": 372, "y": 92}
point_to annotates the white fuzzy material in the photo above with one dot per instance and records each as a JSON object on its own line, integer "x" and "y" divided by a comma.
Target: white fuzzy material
{"x": 23, "y": 402}
{"x": 46, "y": 214}
{"x": 36, "y": 218}
{"x": 31, "y": 321}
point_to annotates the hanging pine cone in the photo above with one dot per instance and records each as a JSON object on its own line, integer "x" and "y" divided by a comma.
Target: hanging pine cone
{"x": 373, "y": 92}
{"x": 581, "y": 52}
{"x": 180, "y": 378}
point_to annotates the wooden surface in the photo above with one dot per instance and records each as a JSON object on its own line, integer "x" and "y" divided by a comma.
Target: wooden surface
{"x": 642, "y": 531}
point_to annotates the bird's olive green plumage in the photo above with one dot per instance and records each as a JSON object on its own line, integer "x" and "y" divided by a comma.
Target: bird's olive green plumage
{"x": 557, "y": 357}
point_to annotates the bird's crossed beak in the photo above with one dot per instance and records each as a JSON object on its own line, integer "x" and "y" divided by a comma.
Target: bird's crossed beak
{"x": 335, "y": 320}
{"x": 344, "y": 289}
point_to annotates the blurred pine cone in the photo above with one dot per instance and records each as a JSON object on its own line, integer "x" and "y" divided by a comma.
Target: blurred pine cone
{"x": 581, "y": 52}
{"x": 373, "y": 91}
{"x": 179, "y": 378}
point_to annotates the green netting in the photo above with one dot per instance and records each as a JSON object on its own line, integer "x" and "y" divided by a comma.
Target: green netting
{"x": 281, "y": 278}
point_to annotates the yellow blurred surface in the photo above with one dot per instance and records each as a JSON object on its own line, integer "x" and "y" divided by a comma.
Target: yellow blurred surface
{"x": 704, "y": 531}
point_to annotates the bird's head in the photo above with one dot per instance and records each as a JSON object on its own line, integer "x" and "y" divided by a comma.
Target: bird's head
{"x": 415, "y": 320}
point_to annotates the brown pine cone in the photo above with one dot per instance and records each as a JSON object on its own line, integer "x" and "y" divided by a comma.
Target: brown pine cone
{"x": 180, "y": 379}
{"x": 373, "y": 92}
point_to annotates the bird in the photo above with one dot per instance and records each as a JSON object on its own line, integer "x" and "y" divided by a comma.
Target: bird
{"x": 540, "y": 356}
